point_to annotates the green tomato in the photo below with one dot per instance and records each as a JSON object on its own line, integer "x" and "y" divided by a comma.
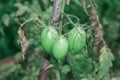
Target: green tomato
{"x": 76, "y": 40}
{"x": 60, "y": 48}
{"x": 48, "y": 36}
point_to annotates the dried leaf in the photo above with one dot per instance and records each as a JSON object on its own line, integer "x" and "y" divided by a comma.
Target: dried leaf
{"x": 97, "y": 26}
{"x": 94, "y": 17}
{"x": 23, "y": 41}
{"x": 67, "y": 2}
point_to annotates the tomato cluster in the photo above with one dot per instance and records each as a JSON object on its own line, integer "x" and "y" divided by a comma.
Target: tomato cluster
{"x": 59, "y": 45}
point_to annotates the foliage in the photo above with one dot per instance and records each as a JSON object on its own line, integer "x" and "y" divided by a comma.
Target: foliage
{"x": 83, "y": 66}
{"x": 105, "y": 59}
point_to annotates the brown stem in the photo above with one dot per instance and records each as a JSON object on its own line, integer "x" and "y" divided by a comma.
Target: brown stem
{"x": 13, "y": 60}
{"x": 53, "y": 22}
{"x": 56, "y": 10}
{"x": 44, "y": 64}
{"x": 6, "y": 61}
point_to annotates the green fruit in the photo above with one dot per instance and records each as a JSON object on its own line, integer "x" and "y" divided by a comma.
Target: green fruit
{"x": 48, "y": 37}
{"x": 76, "y": 39}
{"x": 60, "y": 48}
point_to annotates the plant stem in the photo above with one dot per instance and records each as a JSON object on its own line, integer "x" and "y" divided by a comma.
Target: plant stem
{"x": 53, "y": 22}
{"x": 56, "y": 9}
{"x": 63, "y": 6}
{"x": 57, "y": 73}
{"x": 62, "y": 20}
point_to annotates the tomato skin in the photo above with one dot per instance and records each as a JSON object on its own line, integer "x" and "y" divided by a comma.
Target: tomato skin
{"x": 76, "y": 40}
{"x": 48, "y": 36}
{"x": 60, "y": 48}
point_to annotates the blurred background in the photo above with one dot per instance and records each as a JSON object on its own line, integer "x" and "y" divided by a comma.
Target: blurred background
{"x": 15, "y": 12}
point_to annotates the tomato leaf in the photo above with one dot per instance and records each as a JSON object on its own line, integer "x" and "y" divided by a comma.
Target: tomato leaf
{"x": 6, "y": 19}
{"x": 65, "y": 69}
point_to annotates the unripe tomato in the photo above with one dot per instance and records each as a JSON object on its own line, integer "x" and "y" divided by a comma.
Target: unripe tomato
{"x": 76, "y": 39}
{"x": 48, "y": 37}
{"x": 60, "y": 48}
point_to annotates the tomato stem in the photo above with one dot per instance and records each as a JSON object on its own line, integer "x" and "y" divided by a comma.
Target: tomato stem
{"x": 31, "y": 19}
{"x": 74, "y": 17}
{"x": 40, "y": 22}
{"x": 57, "y": 73}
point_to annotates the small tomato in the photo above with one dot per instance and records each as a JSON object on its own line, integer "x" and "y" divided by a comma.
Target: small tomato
{"x": 76, "y": 39}
{"x": 48, "y": 37}
{"x": 60, "y": 48}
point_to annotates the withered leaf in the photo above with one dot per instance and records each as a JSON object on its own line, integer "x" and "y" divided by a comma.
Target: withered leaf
{"x": 23, "y": 41}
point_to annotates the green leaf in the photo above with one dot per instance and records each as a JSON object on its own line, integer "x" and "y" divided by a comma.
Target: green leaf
{"x": 6, "y": 19}
{"x": 7, "y": 70}
{"x": 89, "y": 78}
{"x": 105, "y": 61}
{"x": 66, "y": 69}
{"x": 17, "y": 56}
{"x": 21, "y": 9}
{"x": 2, "y": 31}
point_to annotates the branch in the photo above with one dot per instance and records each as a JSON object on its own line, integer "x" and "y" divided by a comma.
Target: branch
{"x": 6, "y": 61}
{"x": 16, "y": 58}
{"x": 44, "y": 64}
{"x": 56, "y": 13}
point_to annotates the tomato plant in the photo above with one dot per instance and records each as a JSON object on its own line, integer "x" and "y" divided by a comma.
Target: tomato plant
{"x": 59, "y": 40}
